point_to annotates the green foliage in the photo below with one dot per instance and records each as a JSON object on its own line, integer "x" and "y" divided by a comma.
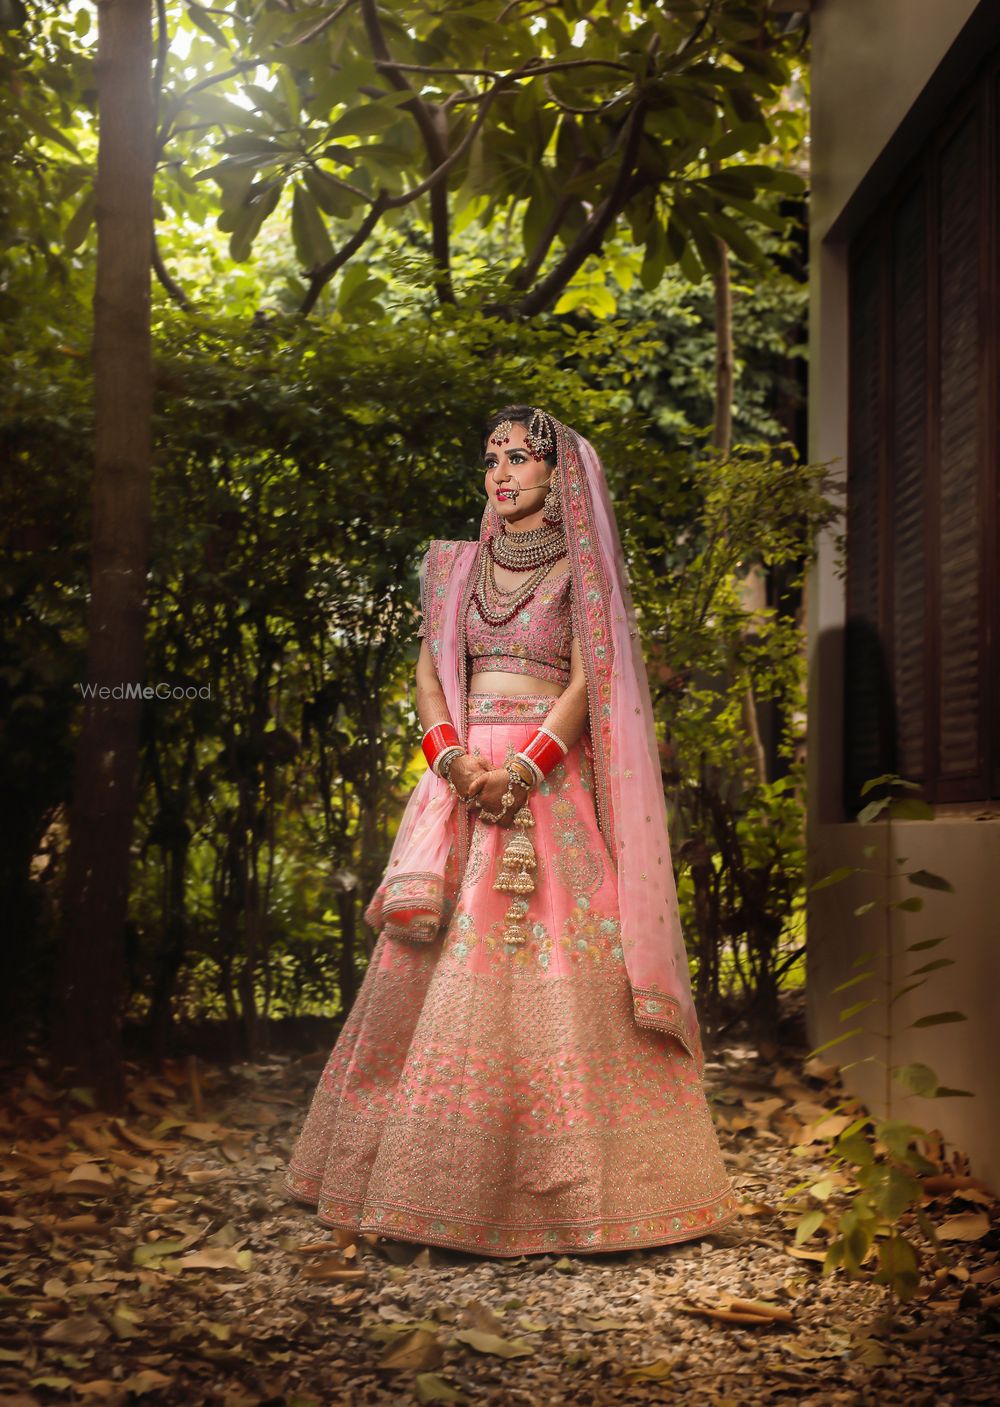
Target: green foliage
{"x": 300, "y": 472}
{"x": 47, "y": 151}
{"x": 881, "y": 1153}
{"x": 717, "y": 659}
{"x": 565, "y": 123}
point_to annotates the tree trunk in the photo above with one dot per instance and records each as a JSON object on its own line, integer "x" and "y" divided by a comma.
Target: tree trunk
{"x": 722, "y": 430}
{"x": 87, "y": 1001}
{"x": 722, "y": 440}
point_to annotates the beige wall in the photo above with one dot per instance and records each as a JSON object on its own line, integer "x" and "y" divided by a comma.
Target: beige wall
{"x": 870, "y": 61}
{"x": 870, "y": 64}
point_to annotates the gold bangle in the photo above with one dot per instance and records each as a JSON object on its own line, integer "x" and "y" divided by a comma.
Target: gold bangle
{"x": 528, "y": 780}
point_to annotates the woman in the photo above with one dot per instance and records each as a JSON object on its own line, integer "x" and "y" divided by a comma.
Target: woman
{"x": 521, "y": 1070}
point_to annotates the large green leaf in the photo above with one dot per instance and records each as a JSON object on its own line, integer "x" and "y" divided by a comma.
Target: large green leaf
{"x": 655, "y": 260}
{"x": 365, "y": 121}
{"x": 309, "y": 232}
{"x": 737, "y": 238}
{"x": 748, "y": 136}
{"x": 205, "y": 23}
{"x": 701, "y": 233}
{"x": 81, "y": 220}
{"x": 331, "y": 195}
{"x": 250, "y": 220}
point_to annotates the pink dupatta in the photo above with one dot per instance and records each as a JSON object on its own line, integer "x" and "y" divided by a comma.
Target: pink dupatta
{"x": 418, "y": 891}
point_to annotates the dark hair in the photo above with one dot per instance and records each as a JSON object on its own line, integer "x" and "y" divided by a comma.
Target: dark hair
{"x": 521, "y": 415}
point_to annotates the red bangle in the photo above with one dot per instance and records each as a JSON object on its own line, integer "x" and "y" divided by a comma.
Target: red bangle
{"x": 544, "y": 751}
{"x": 437, "y": 738}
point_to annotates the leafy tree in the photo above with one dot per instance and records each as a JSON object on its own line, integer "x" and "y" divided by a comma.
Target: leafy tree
{"x": 300, "y": 471}
{"x": 567, "y": 122}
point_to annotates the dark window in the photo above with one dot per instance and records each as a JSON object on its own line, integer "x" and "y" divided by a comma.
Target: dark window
{"x": 922, "y": 643}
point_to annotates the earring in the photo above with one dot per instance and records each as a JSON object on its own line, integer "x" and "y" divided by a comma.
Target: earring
{"x": 552, "y": 508}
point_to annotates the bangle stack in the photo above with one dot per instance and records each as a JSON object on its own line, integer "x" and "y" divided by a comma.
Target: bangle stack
{"x": 544, "y": 749}
{"x": 441, "y": 746}
{"x": 443, "y": 764}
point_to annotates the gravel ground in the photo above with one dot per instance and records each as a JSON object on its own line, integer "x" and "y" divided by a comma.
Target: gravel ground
{"x": 193, "y": 1279}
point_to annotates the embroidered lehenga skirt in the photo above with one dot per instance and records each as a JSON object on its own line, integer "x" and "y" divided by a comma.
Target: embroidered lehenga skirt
{"x": 499, "y": 1097}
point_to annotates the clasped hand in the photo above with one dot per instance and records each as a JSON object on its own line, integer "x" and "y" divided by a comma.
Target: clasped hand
{"x": 476, "y": 780}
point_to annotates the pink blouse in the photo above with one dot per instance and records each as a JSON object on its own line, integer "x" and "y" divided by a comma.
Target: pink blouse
{"x": 536, "y": 641}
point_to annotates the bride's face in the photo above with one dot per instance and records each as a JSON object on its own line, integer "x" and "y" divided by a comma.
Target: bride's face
{"x": 516, "y": 482}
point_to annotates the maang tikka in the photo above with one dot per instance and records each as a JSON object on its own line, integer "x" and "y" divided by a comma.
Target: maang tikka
{"x": 541, "y": 440}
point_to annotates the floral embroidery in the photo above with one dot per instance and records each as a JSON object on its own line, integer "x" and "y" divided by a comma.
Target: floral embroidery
{"x": 555, "y": 781}
{"x": 591, "y": 937}
{"x": 536, "y": 641}
{"x": 446, "y": 1118}
{"x": 535, "y": 951}
{"x": 485, "y": 707}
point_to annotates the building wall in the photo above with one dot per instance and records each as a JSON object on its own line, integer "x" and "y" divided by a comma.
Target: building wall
{"x": 870, "y": 64}
{"x": 881, "y": 76}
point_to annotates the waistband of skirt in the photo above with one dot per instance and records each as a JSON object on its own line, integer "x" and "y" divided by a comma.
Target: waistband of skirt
{"x": 509, "y": 708}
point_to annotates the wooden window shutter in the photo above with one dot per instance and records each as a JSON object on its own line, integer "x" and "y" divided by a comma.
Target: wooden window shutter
{"x": 922, "y": 636}
{"x": 864, "y": 672}
{"x": 961, "y": 685}
{"x": 907, "y": 479}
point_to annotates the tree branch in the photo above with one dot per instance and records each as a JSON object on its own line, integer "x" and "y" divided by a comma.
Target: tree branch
{"x": 320, "y": 277}
{"x": 324, "y": 24}
{"x": 531, "y": 68}
{"x": 162, "y": 48}
{"x": 170, "y": 284}
{"x": 395, "y": 201}
{"x": 591, "y": 237}
{"x": 526, "y": 274}
{"x": 435, "y": 144}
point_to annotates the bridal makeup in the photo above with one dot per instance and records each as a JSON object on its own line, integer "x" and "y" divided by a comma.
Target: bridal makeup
{"x": 512, "y": 471}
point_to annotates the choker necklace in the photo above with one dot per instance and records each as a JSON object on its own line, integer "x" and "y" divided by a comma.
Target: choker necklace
{"x": 524, "y": 551}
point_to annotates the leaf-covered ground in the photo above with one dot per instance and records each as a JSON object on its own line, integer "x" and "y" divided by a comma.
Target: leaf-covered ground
{"x": 154, "y": 1257}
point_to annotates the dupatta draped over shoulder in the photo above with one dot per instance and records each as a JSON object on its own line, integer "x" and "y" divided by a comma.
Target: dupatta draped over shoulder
{"x": 417, "y": 893}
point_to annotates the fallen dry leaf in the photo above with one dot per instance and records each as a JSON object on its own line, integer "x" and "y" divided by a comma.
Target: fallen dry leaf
{"x": 725, "y": 1316}
{"x": 332, "y": 1268}
{"x": 80, "y": 1330}
{"x": 142, "y": 1141}
{"x": 419, "y": 1351}
{"x": 494, "y": 1344}
{"x": 763, "y": 1308}
{"x": 657, "y": 1371}
{"x": 968, "y": 1226}
{"x": 87, "y": 1177}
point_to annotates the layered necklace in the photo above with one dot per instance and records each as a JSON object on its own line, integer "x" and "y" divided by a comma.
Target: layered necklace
{"x": 532, "y": 552}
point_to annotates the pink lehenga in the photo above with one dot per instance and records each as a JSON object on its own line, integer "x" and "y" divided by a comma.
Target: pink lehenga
{"x": 530, "y": 1096}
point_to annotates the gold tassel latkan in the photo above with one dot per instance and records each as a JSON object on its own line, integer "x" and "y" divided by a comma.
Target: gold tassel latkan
{"x": 515, "y": 874}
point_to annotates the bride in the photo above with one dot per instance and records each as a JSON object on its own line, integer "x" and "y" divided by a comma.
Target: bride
{"x": 522, "y": 1069}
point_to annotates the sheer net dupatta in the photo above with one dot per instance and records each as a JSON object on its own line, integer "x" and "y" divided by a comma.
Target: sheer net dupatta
{"x": 631, "y": 809}
{"x": 417, "y": 891}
